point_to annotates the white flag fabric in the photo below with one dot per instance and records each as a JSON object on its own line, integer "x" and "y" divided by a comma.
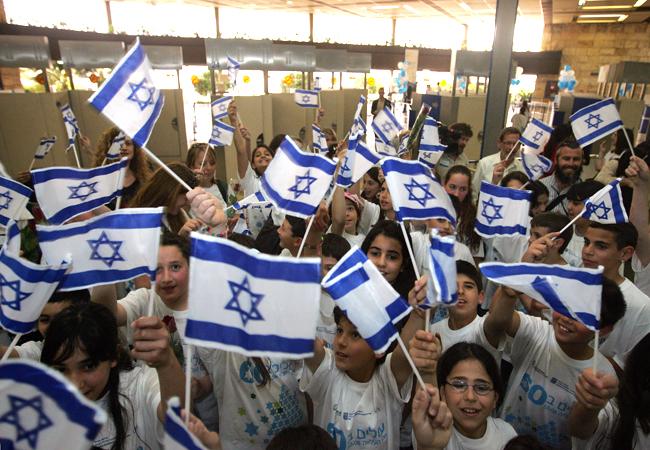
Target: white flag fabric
{"x": 115, "y": 149}
{"x": 367, "y": 299}
{"x": 41, "y": 410}
{"x": 571, "y": 291}
{"x": 536, "y": 135}
{"x": 606, "y": 205}
{"x": 318, "y": 138}
{"x": 255, "y": 199}
{"x": 535, "y": 164}
{"x": 13, "y": 198}
{"x": 357, "y": 112}
{"x": 385, "y": 149}
{"x": 258, "y": 305}
{"x": 644, "y": 126}
{"x": 386, "y": 126}
{"x": 295, "y": 182}
{"x": 241, "y": 227}
{"x": 177, "y": 436}
{"x": 25, "y": 288}
{"x": 415, "y": 193}
{"x": 306, "y": 98}
{"x": 356, "y": 163}
{"x": 430, "y": 147}
{"x": 44, "y": 147}
{"x": 70, "y": 122}
{"x": 129, "y": 98}
{"x": 116, "y": 246}
{"x": 222, "y": 134}
{"x": 220, "y": 107}
{"x": 233, "y": 70}
{"x": 357, "y": 131}
{"x": 595, "y": 121}
{"x": 441, "y": 286}
{"x": 502, "y": 211}
{"x": 64, "y": 192}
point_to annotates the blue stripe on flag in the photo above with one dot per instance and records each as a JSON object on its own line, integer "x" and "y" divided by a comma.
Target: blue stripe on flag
{"x": 142, "y": 136}
{"x": 501, "y": 192}
{"x": 30, "y": 272}
{"x": 432, "y": 147}
{"x": 90, "y": 278}
{"x": 307, "y": 160}
{"x": 407, "y": 168}
{"x": 502, "y": 229}
{"x": 615, "y": 200}
{"x": 113, "y": 221}
{"x": 417, "y": 213}
{"x": 398, "y": 309}
{"x": 74, "y": 210}
{"x": 544, "y": 288}
{"x": 367, "y": 154}
{"x": 43, "y": 175}
{"x": 180, "y": 435}
{"x": 352, "y": 281}
{"x": 15, "y": 325}
{"x": 384, "y": 335}
{"x": 538, "y": 123}
{"x": 499, "y": 271}
{"x": 304, "y": 209}
{"x": 441, "y": 282}
{"x": 601, "y": 132}
{"x": 591, "y": 108}
{"x": 16, "y": 186}
{"x": 119, "y": 77}
{"x": 354, "y": 258}
{"x": 529, "y": 143}
{"x": 589, "y": 320}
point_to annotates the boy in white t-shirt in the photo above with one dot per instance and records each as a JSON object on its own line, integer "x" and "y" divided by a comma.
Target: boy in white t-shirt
{"x": 333, "y": 248}
{"x": 639, "y": 174}
{"x": 547, "y": 360}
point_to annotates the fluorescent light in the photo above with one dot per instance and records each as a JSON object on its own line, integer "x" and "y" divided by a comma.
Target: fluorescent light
{"x": 599, "y": 16}
{"x": 607, "y": 7}
{"x": 639, "y": 3}
{"x": 289, "y": 2}
{"x": 622, "y": 17}
{"x": 582, "y": 2}
{"x": 381, "y": 7}
{"x": 465, "y": 6}
{"x": 410, "y": 8}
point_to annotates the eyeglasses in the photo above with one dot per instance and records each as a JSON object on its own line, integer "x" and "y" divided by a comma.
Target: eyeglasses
{"x": 461, "y": 386}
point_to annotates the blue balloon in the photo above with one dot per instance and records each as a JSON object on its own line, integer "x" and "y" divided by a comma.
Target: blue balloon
{"x": 571, "y": 84}
{"x": 562, "y": 84}
{"x": 567, "y": 67}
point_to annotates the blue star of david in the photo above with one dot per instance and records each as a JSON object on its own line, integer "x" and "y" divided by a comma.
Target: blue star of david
{"x": 427, "y": 155}
{"x": 538, "y": 135}
{"x": 143, "y": 102}
{"x": 496, "y": 210}
{"x": 222, "y": 107}
{"x": 345, "y": 167}
{"x": 424, "y": 187}
{"x": 387, "y": 127}
{"x": 13, "y": 417}
{"x": 306, "y": 98}
{"x": 254, "y": 299}
{"x": 7, "y": 200}
{"x": 216, "y": 133}
{"x": 87, "y": 189}
{"x": 593, "y": 121}
{"x": 593, "y": 209}
{"x": 537, "y": 168}
{"x": 95, "y": 245}
{"x": 18, "y": 295}
{"x": 297, "y": 191}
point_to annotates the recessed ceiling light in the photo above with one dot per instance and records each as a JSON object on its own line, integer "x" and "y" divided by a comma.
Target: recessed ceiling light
{"x": 289, "y": 2}
{"x": 639, "y": 3}
{"x": 599, "y": 16}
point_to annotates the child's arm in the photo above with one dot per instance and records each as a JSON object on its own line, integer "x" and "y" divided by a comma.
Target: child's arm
{"x": 592, "y": 394}
{"x": 338, "y": 211}
{"x": 502, "y": 318}
{"x": 195, "y": 426}
{"x": 107, "y": 295}
{"x": 432, "y": 420}
{"x": 639, "y": 174}
{"x": 241, "y": 146}
{"x": 319, "y": 353}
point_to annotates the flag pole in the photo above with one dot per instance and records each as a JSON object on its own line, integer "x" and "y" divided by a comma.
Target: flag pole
{"x": 166, "y": 169}
{"x": 31, "y": 166}
{"x": 205, "y": 154}
{"x": 629, "y": 143}
{"x": 595, "y": 363}
{"x": 76, "y": 156}
{"x": 120, "y": 183}
{"x": 304, "y": 239}
{"x": 415, "y": 370}
{"x": 188, "y": 382}
{"x": 524, "y": 185}
{"x": 152, "y": 289}
{"x": 427, "y": 313}
{"x": 514, "y": 149}
{"x": 11, "y": 347}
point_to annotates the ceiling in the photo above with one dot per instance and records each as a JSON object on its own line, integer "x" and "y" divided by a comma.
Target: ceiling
{"x": 565, "y": 11}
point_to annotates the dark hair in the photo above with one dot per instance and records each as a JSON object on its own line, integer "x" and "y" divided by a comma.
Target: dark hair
{"x": 404, "y": 281}
{"x": 559, "y": 134}
{"x": 525, "y": 442}
{"x": 537, "y": 188}
{"x": 334, "y": 246}
{"x": 613, "y": 306}
{"x": 464, "y": 129}
{"x": 471, "y": 272}
{"x": 633, "y": 398}
{"x": 175, "y": 240}
{"x": 554, "y": 222}
{"x": 516, "y": 175}
{"x": 569, "y": 142}
{"x": 467, "y": 211}
{"x": 373, "y": 173}
{"x": 304, "y": 437}
{"x": 508, "y": 130}
{"x": 624, "y": 233}
{"x": 298, "y": 226}
{"x": 92, "y": 328}
{"x": 80, "y": 296}
{"x": 462, "y": 351}
{"x": 271, "y": 150}
{"x": 339, "y": 315}
{"x": 242, "y": 239}
{"x": 275, "y": 143}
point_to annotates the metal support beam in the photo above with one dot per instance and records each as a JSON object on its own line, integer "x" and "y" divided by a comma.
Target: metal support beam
{"x": 216, "y": 21}
{"x": 392, "y": 38}
{"x": 311, "y": 27}
{"x": 500, "y": 72}
{"x": 109, "y": 16}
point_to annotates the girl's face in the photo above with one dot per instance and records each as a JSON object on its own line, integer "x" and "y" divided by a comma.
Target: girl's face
{"x": 386, "y": 254}
{"x": 444, "y": 227}
{"x": 351, "y": 218}
{"x": 514, "y": 184}
{"x": 172, "y": 276}
{"x": 470, "y": 409}
{"x": 542, "y": 201}
{"x": 87, "y": 375}
{"x": 458, "y": 185}
{"x": 385, "y": 200}
{"x": 207, "y": 174}
{"x": 261, "y": 159}
{"x": 127, "y": 150}
{"x": 370, "y": 187}
{"x": 179, "y": 203}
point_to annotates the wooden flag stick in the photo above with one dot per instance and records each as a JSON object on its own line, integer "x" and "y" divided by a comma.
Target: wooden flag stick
{"x": 11, "y": 347}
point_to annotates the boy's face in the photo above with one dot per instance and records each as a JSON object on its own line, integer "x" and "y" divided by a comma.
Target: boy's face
{"x": 600, "y": 249}
{"x": 326, "y": 264}
{"x": 352, "y": 353}
{"x": 469, "y": 297}
{"x": 536, "y": 233}
{"x": 47, "y": 314}
{"x": 569, "y": 331}
{"x": 286, "y": 235}
{"x": 574, "y": 207}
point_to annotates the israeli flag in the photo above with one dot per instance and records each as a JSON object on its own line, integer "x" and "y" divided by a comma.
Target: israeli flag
{"x": 386, "y": 126}
{"x": 606, "y": 205}
{"x": 295, "y": 182}
{"x": 368, "y": 300}
{"x": 115, "y": 149}
{"x": 430, "y": 147}
{"x": 306, "y": 98}
{"x": 129, "y": 98}
{"x": 258, "y": 305}
{"x": 177, "y": 436}
{"x": 70, "y": 122}
{"x": 13, "y": 198}
{"x": 318, "y": 138}
{"x": 571, "y": 291}
{"x": 241, "y": 227}
{"x": 416, "y": 194}
{"x": 595, "y": 121}
{"x": 535, "y": 164}
{"x": 256, "y": 199}
{"x": 233, "y": 70}
{"x": 644, "y": 126}
{"x": 64, "y": 193}
{"x": 385, "y": 149}
{"x": 357, "y": 131}
{"x": 113, "y": 247}
{"x": 25, "y": 288}
{"x": 441, "y": 286}
{"x": 222, "y": 134}
{"x": 356, "y": 163}
{"x": 44, "y": 147}
{"x": 220, "y": 107}
{"x": 502, "y": 211}
{"x": 357, "y": 112}
{"x": 13, "y": 238}
{"x": 41, "y": 410}
{"x": 536, "y": 135}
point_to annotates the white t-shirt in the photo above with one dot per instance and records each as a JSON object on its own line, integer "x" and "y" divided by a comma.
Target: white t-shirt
{"x": 541, "y": 390}
{"x": 369, "y": 217}
{"x": 326, "y": 326}
{"x": 497, "y": 435}
{"x": 472, "y": 332}
{"x": 601, "y": 439}
{"x": 30, "y": 350}
{"x": 140, "y": 396}
{"x": 485, "y": 169}
{"x": 249, "y": 414}
{"x": 633, "y": 327}
{"x": 354, "y": 239}
{"x": 357, "y": 415}
{"x": 641, "y": 275}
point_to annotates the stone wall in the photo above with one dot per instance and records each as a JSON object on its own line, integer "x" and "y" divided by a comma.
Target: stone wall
{"x": 586, "y": 47}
